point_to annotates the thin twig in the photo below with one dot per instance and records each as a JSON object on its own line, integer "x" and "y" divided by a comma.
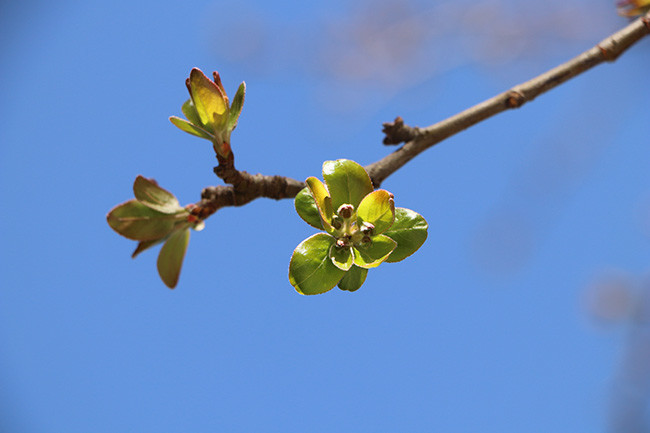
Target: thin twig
{"x": 608, "y": 50}
{"x": 397, "y": 132}
{"x": 245, "y": 187}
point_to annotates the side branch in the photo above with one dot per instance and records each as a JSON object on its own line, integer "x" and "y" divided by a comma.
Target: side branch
{"x": 424, "y": 138}
{"x": 244, "y": 187}
{"x": 276, "y": 187}
{"x": 397, "y": 132}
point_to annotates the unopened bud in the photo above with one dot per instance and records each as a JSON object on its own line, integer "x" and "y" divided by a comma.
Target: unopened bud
{"x": 342, "y": 242}
{"x": 367, "y": 228}
{"x": 345, "y": 211}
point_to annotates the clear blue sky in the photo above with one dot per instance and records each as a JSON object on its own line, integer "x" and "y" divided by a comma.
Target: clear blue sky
{"x": 484, "y": 329}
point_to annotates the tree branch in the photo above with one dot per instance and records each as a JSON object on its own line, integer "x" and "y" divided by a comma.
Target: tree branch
{"x": 397, "y": 132}
{"x": 245, "y": 187}
{"x": 608, "y": 50}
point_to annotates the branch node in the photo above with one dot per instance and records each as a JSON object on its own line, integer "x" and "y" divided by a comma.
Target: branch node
{"x": 397, "y": 132}
{"x": 646, "y": 21}
{"x": 220, "y": 171}
{"x": 514, "y": 99}
{"x": 607, "y": 54}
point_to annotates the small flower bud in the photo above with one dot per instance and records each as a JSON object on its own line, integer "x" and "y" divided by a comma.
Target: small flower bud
{"x": 345, "y": 211}
{"x": 367, "y": 228}
{"x": 342, "y": 242}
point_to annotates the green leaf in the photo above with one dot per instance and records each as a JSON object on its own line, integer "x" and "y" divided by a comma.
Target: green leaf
{"x": 378, "y": 209}
{"x": 151, "y": 195}
{"x": 323, "y": 202}
{"x": 311, "y": 271}
{"x": 208, "y": 99}
{"x": 307, "y": 209}
{"x": 373, "y": 253}
{"x": 190, "y": 128}
{"x": 170, "y": 259}
{"x": 189, "y": 110}
{"x": 217, "y": 81}
{"x": 237, "y": 105}
{"x": 145, "y": 245}
{"x": 136, "y": 221}
{"x": 409, "y": 231}
{"x": 353, "y": 279}
{"x": 342, "y": 257}
{"x": 347, "y": 182}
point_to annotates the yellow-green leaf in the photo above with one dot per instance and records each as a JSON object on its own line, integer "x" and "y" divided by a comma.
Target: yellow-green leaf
{"x": 208, "y": 99}
{"x": 217, "y": 81}
{"x": 190, "y": 128}
{"x": 347, "y": 182}
{"x": 307, "y": 209}
{"x": 409, "y": 231}
{"x": 311, "y": 271}
{"x": 189, "y": 110}
{"x": 237, "y": 105}
{"x": 342, "y": 257}
{"x": 373, "y": 253}
{"x": 151, "y": 195}
{"x": 170, "y": 259}
{"x": 145, "y": 245}
{"x": 136, "y": 221}
{"x": 323, "y": 202}
{"x": 353, "y": 279}
{"x": 378, "y": 209}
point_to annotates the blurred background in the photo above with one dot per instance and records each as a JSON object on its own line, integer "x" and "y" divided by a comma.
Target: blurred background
{"x": 527, "y": 309}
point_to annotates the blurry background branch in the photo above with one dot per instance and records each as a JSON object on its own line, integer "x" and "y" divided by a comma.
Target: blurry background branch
{"x": 245, "y": 187}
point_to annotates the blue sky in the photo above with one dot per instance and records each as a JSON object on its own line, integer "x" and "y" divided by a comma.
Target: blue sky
{"x": 484, "y": 329}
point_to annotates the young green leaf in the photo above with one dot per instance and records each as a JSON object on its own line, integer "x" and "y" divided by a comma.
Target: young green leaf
{"x": 307, "y": 209}
{"x": 347, "y": 182}
{"x": 170, "y": 259}
{"x": 311, "y": 271}
{"x": 409, "y": 231}
{"x": 237, "y": 105}
{"x": 208, "y": 99}
{"x": 189, "y": 110}
{"x": 373, "y": 253}
{"x": 217, "y": 80}
{"x": 353, "y": 279}
{"x": 151, "y": 195}
{"x": 136, "y": 221}
{"x": 323, "y": 202}
{"x": 378, "y": 209}
{"x": 342, "y": 257}
{"x": 145, "y": 245}
{"x": 190, "y": 128}
{"x": 363, "y": 217}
